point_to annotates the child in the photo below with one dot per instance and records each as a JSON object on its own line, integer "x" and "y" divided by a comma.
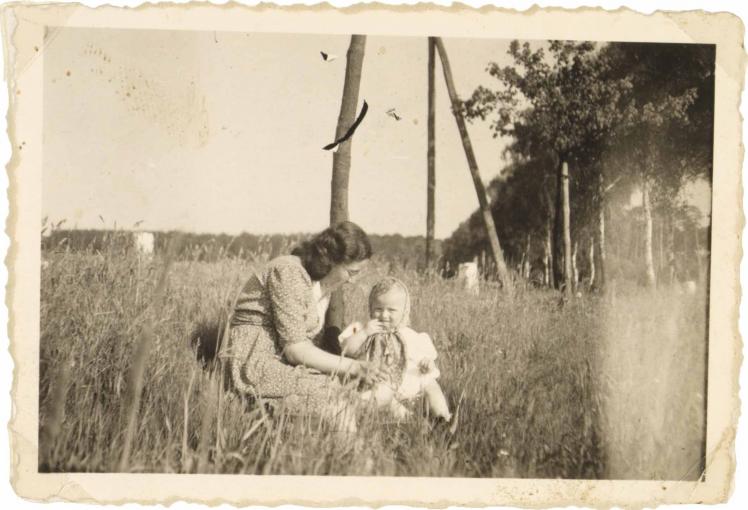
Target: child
{"x": 405, "y": 355}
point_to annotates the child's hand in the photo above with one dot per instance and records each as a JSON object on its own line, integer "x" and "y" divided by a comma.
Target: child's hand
{"x": 424, "y": 366}
{"x": 374, "y": 326}
{"x": 369, "y": 372}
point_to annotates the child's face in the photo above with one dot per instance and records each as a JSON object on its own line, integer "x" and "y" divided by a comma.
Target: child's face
{"x": 389, "y": 307}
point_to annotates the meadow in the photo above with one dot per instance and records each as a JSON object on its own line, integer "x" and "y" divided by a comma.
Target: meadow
{"x": 597, "y": 387}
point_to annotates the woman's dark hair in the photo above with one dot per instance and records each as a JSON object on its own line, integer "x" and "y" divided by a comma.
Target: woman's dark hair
{"x": 341, "y": 244}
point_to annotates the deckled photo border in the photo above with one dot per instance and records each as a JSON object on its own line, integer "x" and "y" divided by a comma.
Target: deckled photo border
{"x": 23, "y": 28}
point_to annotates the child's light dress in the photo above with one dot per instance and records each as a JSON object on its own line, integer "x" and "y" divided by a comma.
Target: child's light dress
{"x": 418, "y": 347}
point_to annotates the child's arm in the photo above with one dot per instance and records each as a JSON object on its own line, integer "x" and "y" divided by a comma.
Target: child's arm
{"x": 351, "y": 344}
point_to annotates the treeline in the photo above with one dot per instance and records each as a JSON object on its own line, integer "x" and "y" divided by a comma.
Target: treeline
{"x": 406, "y": 251}
{"x": 602, "y": 141}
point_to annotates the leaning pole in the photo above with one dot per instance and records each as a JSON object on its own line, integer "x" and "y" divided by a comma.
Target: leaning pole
{"x": 480, "y": 189}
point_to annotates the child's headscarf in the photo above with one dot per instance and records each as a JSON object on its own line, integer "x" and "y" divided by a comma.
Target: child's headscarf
{"x": 385, "y": 285}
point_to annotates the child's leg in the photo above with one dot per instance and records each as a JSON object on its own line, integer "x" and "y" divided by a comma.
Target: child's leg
{"x": 383, "y": 394}
{"x": 342, "y": 416}
{"x": 398, "y": 410}
{"x": 436, "y": 400}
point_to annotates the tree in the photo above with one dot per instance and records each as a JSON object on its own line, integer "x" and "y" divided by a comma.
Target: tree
{"x": 341, "y": 159}
{"x": 517, "y": 199}
{"x": 341, "y": 164}
{"x": 667, "y": 123}
{"x": 563, "y": 105}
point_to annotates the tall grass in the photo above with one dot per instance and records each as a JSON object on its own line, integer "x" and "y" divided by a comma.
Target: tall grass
{"x": 653, "y": 385}
{"x": 532, "y": 379}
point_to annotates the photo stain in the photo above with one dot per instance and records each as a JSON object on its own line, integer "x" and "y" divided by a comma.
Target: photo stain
{"x": 67, "y": 73}
{"x": 180, "y": 113}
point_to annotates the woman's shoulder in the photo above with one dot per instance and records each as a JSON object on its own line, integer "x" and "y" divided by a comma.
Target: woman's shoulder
{"x": 287, "y": 264}
{"x": 285, "y": 261}
{"x": 287, "y": 269}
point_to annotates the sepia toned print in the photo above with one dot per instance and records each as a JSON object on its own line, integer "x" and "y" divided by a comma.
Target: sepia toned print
{"x": 249, "y": 235}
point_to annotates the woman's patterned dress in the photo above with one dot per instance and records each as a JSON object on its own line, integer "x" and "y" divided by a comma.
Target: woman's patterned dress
{"x": 276, "y": 308}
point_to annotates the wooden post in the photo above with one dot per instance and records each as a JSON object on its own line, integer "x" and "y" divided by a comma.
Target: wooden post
{"x": 431, "y": 155}
{"x": 480, "y": 189}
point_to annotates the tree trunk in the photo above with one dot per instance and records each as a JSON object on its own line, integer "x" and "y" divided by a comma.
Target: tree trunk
{"x": 431, "y": 155}
{"x": 526, "y": 265}
{"x": 671, "y": 266}
{"x": 566, "y": 225}
{"x": 548, "y": 254}
{"x": 599, "y": 237}
{"x": 591, "y": 255}
{"x": 549, "y": 231}
{"x": 574, "y": 266}
{"x": 341, "y": 159}
{"x": 341, "y": 164}
{"x": 557, "y": 239}
{"x": 651, "y": 281}
{"x": 661, "y": 252}
{"x": 480, "y": 189}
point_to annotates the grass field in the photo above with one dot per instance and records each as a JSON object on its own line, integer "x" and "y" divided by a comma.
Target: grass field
{"x": 594, "y": 389}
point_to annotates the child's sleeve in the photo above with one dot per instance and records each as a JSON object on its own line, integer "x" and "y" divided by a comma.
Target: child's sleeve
{"x": 426, "y": 347}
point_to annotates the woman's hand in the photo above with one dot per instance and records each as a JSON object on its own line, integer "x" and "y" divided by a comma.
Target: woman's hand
{"x": 367, "y": 372}
{"x": 373, "y": 327}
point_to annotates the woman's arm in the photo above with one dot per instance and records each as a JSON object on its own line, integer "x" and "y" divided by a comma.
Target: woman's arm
{"x": 309, "y": 355}
{"x": 289, "y": 293}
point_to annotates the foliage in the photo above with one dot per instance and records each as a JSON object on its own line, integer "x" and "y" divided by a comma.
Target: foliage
{"x": 570, "y": 102}
{"x": 615, "y": 113}
{"x": 666, "y": 132}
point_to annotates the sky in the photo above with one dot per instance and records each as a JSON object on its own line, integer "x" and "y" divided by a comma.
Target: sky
{"x": 223, "y": 131}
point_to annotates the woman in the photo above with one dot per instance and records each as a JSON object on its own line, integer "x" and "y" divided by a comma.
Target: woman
{"x": 275, "y": 328}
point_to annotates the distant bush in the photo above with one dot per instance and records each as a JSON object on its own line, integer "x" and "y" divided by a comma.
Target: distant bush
{"x": 404, "y": 251}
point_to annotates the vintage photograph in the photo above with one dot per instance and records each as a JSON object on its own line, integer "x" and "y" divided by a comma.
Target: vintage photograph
{"x": 369, "y": 255}
{"x": 513, "y": 282}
